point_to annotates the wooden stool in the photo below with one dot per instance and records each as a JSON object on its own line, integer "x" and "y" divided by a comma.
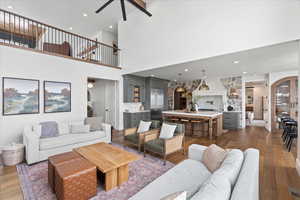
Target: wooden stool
{"x": 186, "y": 122}
{"x": 57, "y": 160}
{"x": 194, "y": 122}
{"x": 76, "y": 179}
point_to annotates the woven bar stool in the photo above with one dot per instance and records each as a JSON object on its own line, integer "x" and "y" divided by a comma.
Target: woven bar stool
{"x": 194, "y": 122}
{"x": 186, "y": 123}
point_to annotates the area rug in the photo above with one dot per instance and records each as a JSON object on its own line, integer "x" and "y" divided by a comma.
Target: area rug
{"x": 34, "y": 179}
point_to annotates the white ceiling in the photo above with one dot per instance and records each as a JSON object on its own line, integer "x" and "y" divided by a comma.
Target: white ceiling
{"x": 69, "y": 13}
{"x": 259, "y": 61}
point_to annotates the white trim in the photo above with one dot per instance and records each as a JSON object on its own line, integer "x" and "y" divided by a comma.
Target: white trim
{"x": 298, "y": 166}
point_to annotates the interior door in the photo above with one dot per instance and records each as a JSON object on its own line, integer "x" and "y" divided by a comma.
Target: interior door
{"x": 110, "y": 102}
{"x": 285, "y": 100}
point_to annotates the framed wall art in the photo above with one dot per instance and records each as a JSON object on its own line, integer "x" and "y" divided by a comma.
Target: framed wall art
{"x": 20, "y": 96}
{"x": 57, "y": 97}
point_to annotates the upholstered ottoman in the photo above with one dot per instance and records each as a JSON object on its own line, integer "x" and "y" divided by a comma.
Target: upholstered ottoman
{"x": 56, "y": 160}
{"x": 75, "y": 180}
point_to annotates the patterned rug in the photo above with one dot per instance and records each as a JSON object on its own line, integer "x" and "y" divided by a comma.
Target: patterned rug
{"x": 34, "y": 179}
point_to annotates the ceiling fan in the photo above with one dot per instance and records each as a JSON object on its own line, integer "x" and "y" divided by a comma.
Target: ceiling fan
{"x": 133, "y": 2}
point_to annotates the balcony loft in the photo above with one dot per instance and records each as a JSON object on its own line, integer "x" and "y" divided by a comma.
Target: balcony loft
{"x": 21, "y": 32}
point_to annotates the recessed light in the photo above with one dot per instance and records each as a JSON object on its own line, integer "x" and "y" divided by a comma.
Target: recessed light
{"x": 85, "y": 15}
{"x": 236, "y": 62}
{"x": 152, "y": 75}
{"x": 110, "y": 26}
{"x": 71, "y": 28}
{"x": 175, "y": 80}
{"x": 186, "y": 70}
{"x": 10, "y": 7}
{"x": 245, "y": 72}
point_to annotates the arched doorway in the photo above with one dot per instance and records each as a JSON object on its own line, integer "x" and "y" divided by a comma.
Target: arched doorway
{"x": 180, "y": 99}
{"x": 284, "y": 100}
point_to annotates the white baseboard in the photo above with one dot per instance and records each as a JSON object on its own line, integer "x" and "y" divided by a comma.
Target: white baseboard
{"x": 298, "y": 166}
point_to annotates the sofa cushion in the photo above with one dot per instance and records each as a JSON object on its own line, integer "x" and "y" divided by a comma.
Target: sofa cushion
{"x": 95, "y": 123}
{"x": 69, "y": 139}
{"x": 247, "y": 185}
{"x": 49, "y": 129}
{"x": 231, "y": 165}
{"x": 63, "y": 128}
{"x": 213, "y": 157}
{"x": 215, "y": 188}
{"x": 184, "y": 176}
{"x": 176, "y": 196}
{"x": 80, "y": 128}
{"x": 156, "y": 145}
{"x": 133, "y": 138}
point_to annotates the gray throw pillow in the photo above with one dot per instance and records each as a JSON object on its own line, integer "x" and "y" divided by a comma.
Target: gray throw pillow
{"x": 95, "y": 123}
{"x": 49, "y": 129}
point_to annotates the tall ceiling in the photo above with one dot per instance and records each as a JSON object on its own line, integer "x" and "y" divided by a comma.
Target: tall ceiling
{"x": 275, "y": 58}
{"x": 69, "y": 13}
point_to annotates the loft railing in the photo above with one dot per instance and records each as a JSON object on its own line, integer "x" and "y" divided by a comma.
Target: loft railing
{"x": 20, "y": 31}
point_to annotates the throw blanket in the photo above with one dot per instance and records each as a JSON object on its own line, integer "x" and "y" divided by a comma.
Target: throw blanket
{"x": 49, "y": 129}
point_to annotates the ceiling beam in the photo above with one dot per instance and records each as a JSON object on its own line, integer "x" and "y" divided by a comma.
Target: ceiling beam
{"x": 123, "y": 10}
{"x": 138, "y": 6}
{"x": 104, "y": 6}
{"x": 141, "y": 3}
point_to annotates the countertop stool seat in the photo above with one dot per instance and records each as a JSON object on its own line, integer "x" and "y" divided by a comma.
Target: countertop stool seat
{"x": 186, "y": 122}
{"x": 76, "y": 179}
{"x": 57, "y": 160}
{"x": 197, "y": 121}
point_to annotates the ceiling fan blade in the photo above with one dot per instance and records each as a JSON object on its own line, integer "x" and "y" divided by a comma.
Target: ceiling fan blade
{"x": 140, "y": 7}
{"x": 104, "y": 6}
{"x": 123, "y": 10}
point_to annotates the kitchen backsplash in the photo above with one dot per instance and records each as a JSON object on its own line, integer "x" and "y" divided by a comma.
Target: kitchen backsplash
{"x": 211, "y": 102}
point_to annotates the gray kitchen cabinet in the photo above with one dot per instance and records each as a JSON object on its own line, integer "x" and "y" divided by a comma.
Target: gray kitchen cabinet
{"x": 132, "y": 120}
{"x": 129, "y": 83}
{"x": 231, "y": 120}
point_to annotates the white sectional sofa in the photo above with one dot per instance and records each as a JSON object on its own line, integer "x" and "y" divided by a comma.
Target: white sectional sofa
{"x": 38, "y": 149}
{"x": 236, "y": 179}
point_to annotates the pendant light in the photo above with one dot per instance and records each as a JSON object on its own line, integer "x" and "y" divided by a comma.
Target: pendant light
{"x": 180, "y": 88}
{"x": 203, "y": 84}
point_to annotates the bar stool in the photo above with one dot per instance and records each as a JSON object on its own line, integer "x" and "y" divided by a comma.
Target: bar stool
{"x": 194, "y": 122}
{"x": 186, "y": 123}
{"x": 292, "y": 133}
{"x": 286, "y": 125}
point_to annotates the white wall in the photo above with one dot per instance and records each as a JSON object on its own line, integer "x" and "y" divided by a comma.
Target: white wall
{"x": 181, "y": 31}
{"x": 26, "y": 64}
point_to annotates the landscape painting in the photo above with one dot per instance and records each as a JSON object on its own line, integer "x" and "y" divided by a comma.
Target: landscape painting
{"x": 20, "y": 96}
{"x": 57, "y": 97}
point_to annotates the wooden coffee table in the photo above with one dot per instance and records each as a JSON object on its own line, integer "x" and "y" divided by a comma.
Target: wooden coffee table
{"x": 110, "y": 160}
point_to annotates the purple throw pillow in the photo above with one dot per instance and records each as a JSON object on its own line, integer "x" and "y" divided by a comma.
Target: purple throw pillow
{"x": 49, "y": 129}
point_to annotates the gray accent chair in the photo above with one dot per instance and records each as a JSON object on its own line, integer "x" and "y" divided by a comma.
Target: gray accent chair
{"x": 137, "y": 139}
{"x": 165, "y": 147}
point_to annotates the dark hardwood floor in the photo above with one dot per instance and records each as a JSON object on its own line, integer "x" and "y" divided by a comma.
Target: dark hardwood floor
{"x": 277, "y": 166}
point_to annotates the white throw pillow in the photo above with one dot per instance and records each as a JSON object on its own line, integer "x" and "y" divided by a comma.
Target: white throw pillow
{"x": 95, "y": 123}
{"x": 37, "y": 129}
{"x": 144, "y": 126}
{"x": 215, "y": 188}
{"x": 167, "y": 131}
{"x": 176, "y": 196}
{"x": 80, "y": 128}
{"x": 231, "y": 165}
{"x": 213, "y": 157}
{"x": 63, "y": 128}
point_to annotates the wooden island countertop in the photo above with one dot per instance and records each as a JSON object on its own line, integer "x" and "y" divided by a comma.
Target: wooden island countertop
{"x": 210, "y": 116}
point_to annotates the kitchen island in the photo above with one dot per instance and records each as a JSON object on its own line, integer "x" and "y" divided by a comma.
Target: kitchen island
{"x": 208, "y": 116}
